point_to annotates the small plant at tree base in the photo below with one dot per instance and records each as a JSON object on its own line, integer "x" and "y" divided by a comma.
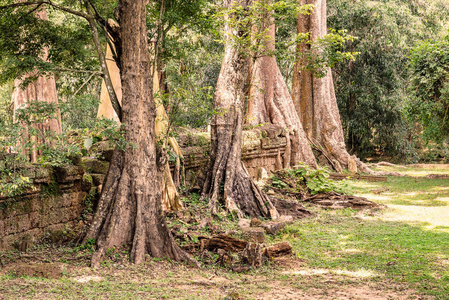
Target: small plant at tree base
{"x": 304, "y": 180}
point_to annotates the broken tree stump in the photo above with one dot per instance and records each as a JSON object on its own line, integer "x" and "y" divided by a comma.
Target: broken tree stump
{"x": 252, "y": 255}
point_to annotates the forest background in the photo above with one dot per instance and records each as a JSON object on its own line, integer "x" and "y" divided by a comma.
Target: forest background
{"x": 393, "y": 98}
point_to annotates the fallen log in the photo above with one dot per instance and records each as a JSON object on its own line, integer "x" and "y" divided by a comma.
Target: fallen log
{"x": 335, "y": 200}
{"x": 223, "y": 241}
{"x": 373, "y": 178}
{"x": 438, "y": 176}
{"x": 280, "y": 249}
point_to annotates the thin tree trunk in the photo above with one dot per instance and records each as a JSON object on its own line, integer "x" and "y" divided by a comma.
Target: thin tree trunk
{"x": 107, "y": 80}
{"x": 130, "y": 211}
{"x": 41, "y": 90}
{"x": 270, "y": 101}
{"x": 227, "y": 179}
{"x": 105, "y": 109}
{"x": 315, "y": 99}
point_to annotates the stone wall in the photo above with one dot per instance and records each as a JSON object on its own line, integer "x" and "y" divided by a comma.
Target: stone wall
{"x": 57, "y": 198}
{"x": 54, "y": 202}
{"x": 263, "y": 147}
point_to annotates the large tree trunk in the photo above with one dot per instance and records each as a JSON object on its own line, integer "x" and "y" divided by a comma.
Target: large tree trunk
{"x": 227, "y": 179}
{"x": 170, "y": 196}
{"x": 314, "y": 97}
{"x": 270, "y": 101}
{"x": 41, "y": 90}
{"x": 130, "y": 211}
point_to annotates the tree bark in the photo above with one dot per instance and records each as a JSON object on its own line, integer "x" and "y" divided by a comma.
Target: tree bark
{"x": 170, "y": 196}
{"x": 315, "y": 99}
{"x": 227, "y": 179}
{"x": 130, "y": 211}
{"x": 270, "y": 101}
{"x": 41, "y": 90}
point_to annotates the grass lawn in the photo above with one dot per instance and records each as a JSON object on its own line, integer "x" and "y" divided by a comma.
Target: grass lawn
{"x": 400, "y": 252}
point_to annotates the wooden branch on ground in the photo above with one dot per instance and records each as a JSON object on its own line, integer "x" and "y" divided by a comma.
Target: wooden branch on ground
{"x": 335, "y": 200}
{"x": 337, "y": 176}
{"x": 385, "y": 164}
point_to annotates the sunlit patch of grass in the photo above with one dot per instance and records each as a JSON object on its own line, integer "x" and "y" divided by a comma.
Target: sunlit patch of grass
{"x": 404, "y": 191}
{"x": 399, "y": 251}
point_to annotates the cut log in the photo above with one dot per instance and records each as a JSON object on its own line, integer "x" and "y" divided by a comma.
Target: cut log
{"x": 280, "y": 249}
{"x": 223, "y": 241}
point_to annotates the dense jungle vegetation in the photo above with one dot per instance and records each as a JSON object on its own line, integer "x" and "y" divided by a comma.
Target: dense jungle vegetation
{"x": 393, "y": 98}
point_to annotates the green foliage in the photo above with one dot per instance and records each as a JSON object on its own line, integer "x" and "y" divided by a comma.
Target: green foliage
{"x": 34, "y": 47}
{"x": 13, "y": 183}
{"x": 303, "y": 179}
{"x": 317, "y": 180}
{"x": 429, "y": 86}
{"x": 327, "y": 51}
{"x": 89, "y": 246}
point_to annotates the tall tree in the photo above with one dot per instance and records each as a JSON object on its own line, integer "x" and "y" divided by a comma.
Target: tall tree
{"x": 314, "y": 96}
{"x": 270, "y": 100}
{"x": 227, "y": 179}
{"x": 41, "y": 89}
{"x": 130, "y": 210}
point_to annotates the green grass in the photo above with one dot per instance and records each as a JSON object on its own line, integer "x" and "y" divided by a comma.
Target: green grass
{"x": 415, "y": 190}
{"x": 375, "y": 249}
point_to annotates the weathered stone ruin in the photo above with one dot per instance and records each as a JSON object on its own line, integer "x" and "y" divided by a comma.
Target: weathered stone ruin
{"x": 59, "y": 195}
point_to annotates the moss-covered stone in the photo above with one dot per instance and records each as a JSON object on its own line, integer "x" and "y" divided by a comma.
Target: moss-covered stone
{"x": 102, "y": 150}
{"x": 98, "y": 179}
{"x": 68, "y": 173}
{"x": 93, "y": 165}
{"x": 86, "y": 182}
{"x": 50, "y": 189}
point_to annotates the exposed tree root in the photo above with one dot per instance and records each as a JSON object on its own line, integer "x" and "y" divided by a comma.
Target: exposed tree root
{"x": 131, "y": 218}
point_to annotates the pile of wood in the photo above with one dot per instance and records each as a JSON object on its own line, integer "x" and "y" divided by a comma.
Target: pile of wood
{"x": 239, "y": 255}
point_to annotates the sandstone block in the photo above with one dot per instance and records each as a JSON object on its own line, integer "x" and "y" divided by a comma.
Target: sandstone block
{"x": 102, "y": 150}
{"x": 68, "y": 174}
{"x": 86, "y": 182}
{"x": 255, "y": 222}
{"x": 98, "y": 179}
{"x": 93, "y": 165}
{"x": 244, "y": 223}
